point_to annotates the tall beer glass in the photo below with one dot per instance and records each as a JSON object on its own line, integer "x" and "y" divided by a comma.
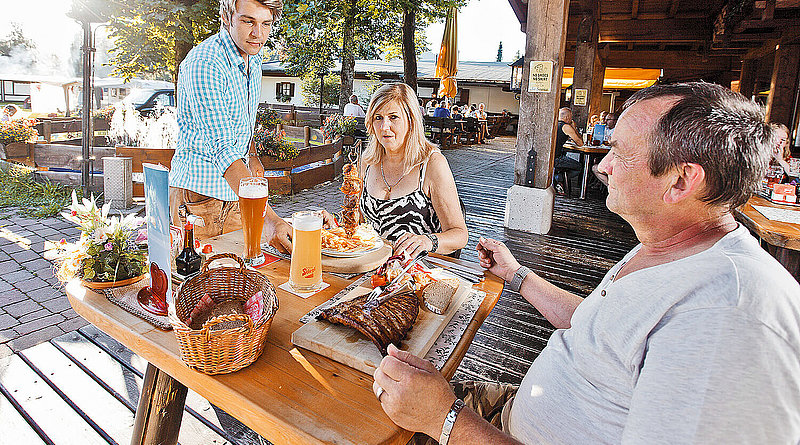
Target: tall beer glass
{"x": 252, "y": 203}
{"x": 305, "y": 271}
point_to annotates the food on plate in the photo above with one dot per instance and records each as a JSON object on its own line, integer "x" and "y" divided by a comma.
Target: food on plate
{"x": 352, "y": 185}
{"x": 437, "y": 295}
{"x": 364, "y": 238}
{"x": 384, "y": 323}
{"x": 394, "y": 266}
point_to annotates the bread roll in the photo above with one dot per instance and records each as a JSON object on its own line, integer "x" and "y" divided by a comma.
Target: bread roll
{"x": 437, "y": 295}
{"x": 218, "y": 310}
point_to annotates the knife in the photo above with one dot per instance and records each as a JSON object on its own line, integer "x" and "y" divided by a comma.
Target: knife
{"x": 463, "y": 275}
{"x": 460, "y": 267}
{"x": 378, "y": 290}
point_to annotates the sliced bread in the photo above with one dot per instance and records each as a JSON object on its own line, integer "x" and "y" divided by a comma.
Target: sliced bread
{"x": 437, "y": 295}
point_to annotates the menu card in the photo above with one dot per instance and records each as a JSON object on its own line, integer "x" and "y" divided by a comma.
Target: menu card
{"x": 156, "y": 193}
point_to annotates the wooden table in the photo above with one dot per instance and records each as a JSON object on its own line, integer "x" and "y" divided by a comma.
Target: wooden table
{"x": 289, "y": 395}
{"x": 782, "y": 240}
{"x": 586, "y": 152}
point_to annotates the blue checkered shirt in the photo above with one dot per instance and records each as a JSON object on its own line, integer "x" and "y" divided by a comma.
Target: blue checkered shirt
{"x": 217, "y": 102}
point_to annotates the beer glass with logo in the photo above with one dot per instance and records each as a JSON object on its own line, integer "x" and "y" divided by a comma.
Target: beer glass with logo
{"x": 305, "y": 271}
{"x": 252, "y": 203}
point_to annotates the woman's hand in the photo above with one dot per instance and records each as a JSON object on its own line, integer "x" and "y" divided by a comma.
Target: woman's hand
{"x": 328, "y": 221}
{"x": 279, "y": 234}
{"x": 496, "y": 257}
{"x": 412, "y": 244}
{"x": 416, "y": 396}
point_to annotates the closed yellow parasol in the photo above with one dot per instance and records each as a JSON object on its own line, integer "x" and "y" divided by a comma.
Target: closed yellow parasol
{"x": 447, "y": 62}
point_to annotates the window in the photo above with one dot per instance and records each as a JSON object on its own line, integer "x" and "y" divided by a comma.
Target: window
{"x": 284, "y": 90}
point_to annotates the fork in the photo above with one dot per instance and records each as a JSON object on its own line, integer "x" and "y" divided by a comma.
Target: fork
{"x": 373, "y": 295}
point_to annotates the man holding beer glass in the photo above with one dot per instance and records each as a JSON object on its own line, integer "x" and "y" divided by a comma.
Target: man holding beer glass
{"x": 219, "y": 85}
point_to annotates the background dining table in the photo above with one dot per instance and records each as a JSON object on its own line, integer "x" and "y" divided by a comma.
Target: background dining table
{"x": 781, "y": 239}
{"x": 586, "y": 152}
{"x": 289, "y": 395}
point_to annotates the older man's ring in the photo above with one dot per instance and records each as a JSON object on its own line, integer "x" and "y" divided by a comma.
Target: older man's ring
{"x": 379, "y": 393}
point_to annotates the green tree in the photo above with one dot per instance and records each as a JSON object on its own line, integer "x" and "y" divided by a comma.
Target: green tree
{"x": 499, "y": 52}
{"x": 152, "y": 37}
{"x": 315, "y": 33}
{"x": 309, "y": 87}
{"x": 16, "y": 39}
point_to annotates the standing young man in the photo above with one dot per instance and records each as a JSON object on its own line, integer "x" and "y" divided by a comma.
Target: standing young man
{"x": 219, "y": 85}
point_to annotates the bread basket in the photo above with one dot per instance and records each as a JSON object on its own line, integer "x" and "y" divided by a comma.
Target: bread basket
{"x": 230, "y": 342}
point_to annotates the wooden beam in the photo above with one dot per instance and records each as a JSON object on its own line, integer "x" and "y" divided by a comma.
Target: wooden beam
{"x": 520, "y": 9}
{"x": 769, "y": 10}
{"x": 689, "y": 60}
{"x": 655, "y": 31}
{"x": 769, "y": 46}
{"x": 673, "y": 8}
{"x": 782, "y": 89}
{"x": 634, "y": 9}
{"x": 747, "y": 78}
{"x": 654, "y": 16}
{"x": 755, "y": 37}
{"x": 546, "y": 36}
{"x": 728, "y": 19}
{"x": 586, "y": 55}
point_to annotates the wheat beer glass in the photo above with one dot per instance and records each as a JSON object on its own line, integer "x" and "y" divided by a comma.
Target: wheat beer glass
{"x": 252, "y": 203}
{"x": 305, "y": 271}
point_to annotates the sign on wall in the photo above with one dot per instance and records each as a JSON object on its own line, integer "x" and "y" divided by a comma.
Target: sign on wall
{"x": 540, "y": 76}
{"x": 580, "y": 96}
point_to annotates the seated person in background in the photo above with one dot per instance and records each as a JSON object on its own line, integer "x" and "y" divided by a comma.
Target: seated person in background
{"x": 781, "y": 152}
{"x": 611, "y": 123}
{"x": 566, "y": 132}
{"x": 431, "y": 107}
{"x": 9, "y": 111}
{"x": 482, "y": 116}
{"x": 590, "y": 126}
{"x": 693, "y": 337}
{"x": 465, "y": 111}
{"x": 442, "y": 110}
{"x": 455, "y": 113}
{"x": 353, "y": 108}
{"x": 409, "y": 196}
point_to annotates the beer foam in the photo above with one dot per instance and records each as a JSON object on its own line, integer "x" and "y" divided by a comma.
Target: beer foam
{"x": 253, "y": 191}
{"x": 307, "y": 222}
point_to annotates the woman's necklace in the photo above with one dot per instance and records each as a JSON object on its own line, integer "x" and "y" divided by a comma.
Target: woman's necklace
{"x": 387, "y": 183}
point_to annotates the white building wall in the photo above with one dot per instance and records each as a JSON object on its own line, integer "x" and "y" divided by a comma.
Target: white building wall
{"x": 495, "y": 99}
{"x": 268, "y": 90}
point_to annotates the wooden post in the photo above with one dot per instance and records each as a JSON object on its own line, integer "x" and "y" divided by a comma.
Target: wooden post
{"x": 747, "y": 78}
{"x": 596, "y": 93}
{"x": 784, "y": 81}
{"x": 585, "y": 74}
{"x": 158, "y": 416}
{"x": 531, "y": 208}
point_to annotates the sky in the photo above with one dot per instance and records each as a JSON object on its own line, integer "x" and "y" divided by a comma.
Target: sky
{"x": 482, "y": 25}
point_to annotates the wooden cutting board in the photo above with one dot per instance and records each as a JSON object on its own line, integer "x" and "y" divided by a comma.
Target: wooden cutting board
{"x": 346, "y": 345}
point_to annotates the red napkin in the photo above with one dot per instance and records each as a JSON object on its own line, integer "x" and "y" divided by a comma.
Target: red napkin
{"x": 254, "y": 307}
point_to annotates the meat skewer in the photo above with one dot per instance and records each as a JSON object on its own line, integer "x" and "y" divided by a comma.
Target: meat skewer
{"x": 352, "y": 186}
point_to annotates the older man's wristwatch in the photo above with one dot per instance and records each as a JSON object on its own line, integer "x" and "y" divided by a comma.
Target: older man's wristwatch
{"x": 450, "y": 420}
{"x": 519, "y": 276}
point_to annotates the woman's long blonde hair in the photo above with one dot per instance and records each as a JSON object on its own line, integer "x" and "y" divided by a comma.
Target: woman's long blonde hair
{"x": 787, "y": 146}
{"x": 417, "y": 147}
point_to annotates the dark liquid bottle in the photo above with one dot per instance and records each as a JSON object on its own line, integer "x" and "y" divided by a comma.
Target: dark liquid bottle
{"x": 188, "y": 261}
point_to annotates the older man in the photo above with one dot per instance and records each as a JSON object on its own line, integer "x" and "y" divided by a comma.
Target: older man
{"x": 693, "y": 337}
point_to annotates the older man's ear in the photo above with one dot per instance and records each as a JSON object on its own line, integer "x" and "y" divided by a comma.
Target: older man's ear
{"x": 688, "y": 180}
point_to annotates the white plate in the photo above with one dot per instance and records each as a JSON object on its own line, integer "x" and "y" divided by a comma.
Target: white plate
{"x": 339, "y": 254}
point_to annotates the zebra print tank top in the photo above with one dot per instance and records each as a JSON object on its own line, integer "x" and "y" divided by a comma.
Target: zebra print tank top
{"x": 408, "y": 213}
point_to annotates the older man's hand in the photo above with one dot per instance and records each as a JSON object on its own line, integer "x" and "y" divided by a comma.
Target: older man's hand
{"x": 416, "y": 396}
{"x": 496, "y": 257}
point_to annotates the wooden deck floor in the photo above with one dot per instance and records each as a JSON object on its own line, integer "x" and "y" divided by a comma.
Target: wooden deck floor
{"x": 84, "y": 387}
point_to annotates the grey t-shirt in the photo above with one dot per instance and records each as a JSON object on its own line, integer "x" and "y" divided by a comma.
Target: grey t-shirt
{"x": 705, "y": 349}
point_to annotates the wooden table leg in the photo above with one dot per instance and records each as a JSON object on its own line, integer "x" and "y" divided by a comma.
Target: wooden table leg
{"x": 158, "y": 416}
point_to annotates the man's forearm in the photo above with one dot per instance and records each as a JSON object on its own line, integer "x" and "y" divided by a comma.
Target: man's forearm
{"x": 471, "y": 428}
{"x": 235, "y": 173}
{"x": 556, "y": 304}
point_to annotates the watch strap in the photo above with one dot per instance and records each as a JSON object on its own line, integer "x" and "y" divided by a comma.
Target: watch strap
{"x": 434, "y": 241}
{"x": 519, "y": 276}
{"x": 450, "y": 420}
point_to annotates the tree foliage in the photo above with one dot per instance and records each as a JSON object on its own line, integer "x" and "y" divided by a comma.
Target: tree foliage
{"x": 152, "y": 37}
{"x": 15, "y": 39}
{"x": 499, "y": 52}
{"x": 309, "y": 87}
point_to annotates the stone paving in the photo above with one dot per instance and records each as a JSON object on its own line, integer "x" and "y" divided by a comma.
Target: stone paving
{"x": 33, "y": 305}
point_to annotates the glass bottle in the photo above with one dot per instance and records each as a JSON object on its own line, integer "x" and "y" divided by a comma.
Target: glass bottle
{"x": 188, "y": 261}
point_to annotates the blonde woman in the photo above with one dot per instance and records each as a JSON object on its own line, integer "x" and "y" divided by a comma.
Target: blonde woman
{"x": 410, "y": 195}
{"x": 781, "y": 152}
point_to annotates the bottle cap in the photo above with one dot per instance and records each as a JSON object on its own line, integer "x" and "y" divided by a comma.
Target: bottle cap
{"x": 207, "y": 248}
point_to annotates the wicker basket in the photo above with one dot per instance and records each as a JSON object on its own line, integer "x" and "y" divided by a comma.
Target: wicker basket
{"x": 218, "y": 348}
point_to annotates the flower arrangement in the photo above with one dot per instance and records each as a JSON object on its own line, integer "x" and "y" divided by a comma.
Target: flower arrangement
{"x": 274, "y": 144}
{"x": 18, "y": 130}
{"x": 108, "y": 248}
{"x": 337, "y": 125}
{"x": 267, "y": 117}
{"x": 105, "y": 113}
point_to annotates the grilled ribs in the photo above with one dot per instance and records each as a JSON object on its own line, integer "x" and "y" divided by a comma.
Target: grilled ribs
{"x": 383, "y": 323}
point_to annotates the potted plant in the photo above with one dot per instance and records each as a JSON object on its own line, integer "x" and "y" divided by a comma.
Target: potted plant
{"x": 108, "y": 252}
{"x": 338, "y": 125}
{"x": 15, "y": 137}
{"x": 267, "y": 118}
{"x": 273, "y": 148}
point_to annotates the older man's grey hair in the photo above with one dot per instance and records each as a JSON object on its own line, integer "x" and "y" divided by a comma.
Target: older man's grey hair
{"x": 714, "y": 127}
{"x": 228, "y": 7}
{"x": 353, "y": 99}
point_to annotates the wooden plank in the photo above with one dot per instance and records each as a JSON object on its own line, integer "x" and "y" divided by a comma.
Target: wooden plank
{"x": 14, "y": 425}
{"x": 783, "y": 86}
{"x": 346, "y": 345}
{"x": 140, "y": 155}
{"x": 777, "y": 233}
{"x": 655, "y": 31}
{"x": 49, "y": 411}
{"x": 111, "y": 415}
{"x": 68, "y": 156}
